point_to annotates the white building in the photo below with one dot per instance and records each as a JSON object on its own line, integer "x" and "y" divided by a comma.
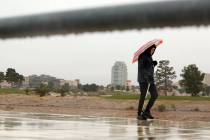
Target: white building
{"x": 206, "y": 79}
{"x": 119, "y": 74}
{"x": 25, "y": 83}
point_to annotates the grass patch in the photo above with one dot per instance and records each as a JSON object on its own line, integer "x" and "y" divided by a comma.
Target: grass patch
{"x": 11, "y": 90}
{"x": 184, "y": 98}
{"x": 128, "y": 96}
{"x": 124, "y": 96}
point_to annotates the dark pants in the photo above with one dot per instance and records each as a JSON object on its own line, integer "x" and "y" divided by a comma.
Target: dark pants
{"x": 153, "y": 93}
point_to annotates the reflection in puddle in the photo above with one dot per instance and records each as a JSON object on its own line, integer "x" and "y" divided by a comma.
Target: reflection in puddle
{"x": 29, "y": 126}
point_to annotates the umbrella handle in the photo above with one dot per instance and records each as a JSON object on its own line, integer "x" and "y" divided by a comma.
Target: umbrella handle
{"x": 148, "y": 88}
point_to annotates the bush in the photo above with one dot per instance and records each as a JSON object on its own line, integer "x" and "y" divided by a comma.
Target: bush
{"x": 130, "y": 108}
{"x": 27, "y": 90}
{"x": 161, "y": 108}
{"x": 11, "y": 91}
{"x": 196, "y": 109}
{"x": 42, "y": 90}
{"x": 173, "y": 107}
{"x": 90, "y": 88}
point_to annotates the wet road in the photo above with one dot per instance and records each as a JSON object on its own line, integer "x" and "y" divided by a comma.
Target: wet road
{"x": 29, "y": 126}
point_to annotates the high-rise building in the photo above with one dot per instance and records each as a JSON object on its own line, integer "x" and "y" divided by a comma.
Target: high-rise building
{"x": 119, "y": 74}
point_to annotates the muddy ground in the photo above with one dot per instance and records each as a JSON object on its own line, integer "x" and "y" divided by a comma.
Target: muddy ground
{"x": 100, "y": 106}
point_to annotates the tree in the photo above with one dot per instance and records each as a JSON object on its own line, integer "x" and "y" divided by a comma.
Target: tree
{"x": 64, "y": 89}
{"x": 112, "y": 88}
{"x": 27, "y": 90}
{"x": 164, "y": 75}
{"x": 1, "y": 76}
{"x": 13, "y": 77}
{"x": 51, "y": 85}
{"x": 192, "y": 79}
{"x": 118, "y": 87}
{"x": 127, "y": 88}
{"x": 20, "y": 79}
{"x": 89, "y": 88}
{"x": 122, "y": 87}
{"x": 101, "y": 87}
{"x": 42, "y": 90}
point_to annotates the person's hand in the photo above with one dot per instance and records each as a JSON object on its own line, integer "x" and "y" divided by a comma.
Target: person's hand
{"x": 154, "y": 63}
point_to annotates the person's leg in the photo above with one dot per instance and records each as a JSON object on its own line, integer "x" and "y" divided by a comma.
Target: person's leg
{"x": 143, "y": 90}
{"x": 154, "y": 96}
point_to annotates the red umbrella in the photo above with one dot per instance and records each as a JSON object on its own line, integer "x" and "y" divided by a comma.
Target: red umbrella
{"x": 155, "y": 42}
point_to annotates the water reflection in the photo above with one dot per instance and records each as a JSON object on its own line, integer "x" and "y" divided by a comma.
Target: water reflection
{"x": 8, "y": 123}
{"x": 165, "y": 130}
{"x": 145, "y": 130}
{"x": 29, "y": 126}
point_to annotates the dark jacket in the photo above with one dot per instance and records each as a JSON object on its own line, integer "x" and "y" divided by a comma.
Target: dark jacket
{"x": 145, "y": 68}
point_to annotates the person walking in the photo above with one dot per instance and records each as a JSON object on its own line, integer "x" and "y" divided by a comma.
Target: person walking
{"x": 146, "y": 82}
{"x": 146, "y": 77}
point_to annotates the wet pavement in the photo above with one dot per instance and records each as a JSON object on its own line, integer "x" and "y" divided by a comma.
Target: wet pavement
{"x": 29, "y": 126}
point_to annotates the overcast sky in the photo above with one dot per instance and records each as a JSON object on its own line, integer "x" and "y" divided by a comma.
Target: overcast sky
{"x": 90, "y": 56}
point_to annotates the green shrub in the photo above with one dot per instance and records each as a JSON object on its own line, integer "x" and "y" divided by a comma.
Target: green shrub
{"x": 42, "y": 90}
{"x": 173, "y": 107}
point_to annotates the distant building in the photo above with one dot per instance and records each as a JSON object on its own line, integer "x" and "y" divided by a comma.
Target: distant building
{"x": 35, "y": 81}
{"x": 128, "y": 84}
{"x": 72, "y": 83}
{"x": 206, "y": 79}
{"x": 176, "y": 84}
{"x": 77, "y": 81}
{"x": 5, "y": 84}
{"x": 119, "y": 74}
{"x": 45, "y": 82}
{"x": 25, "y": 83}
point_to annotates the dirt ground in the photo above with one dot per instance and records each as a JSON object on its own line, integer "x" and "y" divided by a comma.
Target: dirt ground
{"x": 99, "y": 106}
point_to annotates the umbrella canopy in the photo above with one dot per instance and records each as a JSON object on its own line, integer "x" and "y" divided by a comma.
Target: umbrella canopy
{"x": 143, "y": 48}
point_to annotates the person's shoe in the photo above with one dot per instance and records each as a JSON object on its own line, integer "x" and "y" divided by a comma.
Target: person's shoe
{"x": 141, "y": 117}
{"x": 147, "y": 115}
